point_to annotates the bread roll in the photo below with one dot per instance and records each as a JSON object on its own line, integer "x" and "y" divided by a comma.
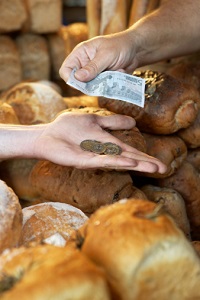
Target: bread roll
{"x": 10, "y": 218}
{"x": 170, "y": 104}
{"x": 193, "y": 157}
{"x": 171, "y": 150}
{"x": 34, "y": 102}
{"x": 47, "y": 272}
{"x": 10, "y": 71}
{"x": 12, "y": 15}
{"x": 34, "y": 57}
{"x": 84, "y": 189}
{"x": 143, "y": 252}
{"x": 172, "y": 202}
{"x": 44, "y": 16}
{"x": 50, "y": 223}
{"x": 15, "y": 172}
{"x": 186, "y": 181}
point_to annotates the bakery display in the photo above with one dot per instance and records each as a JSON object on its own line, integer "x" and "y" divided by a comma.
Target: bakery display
{"x": 50, "y": 223}
{"x": 10, "y": 218}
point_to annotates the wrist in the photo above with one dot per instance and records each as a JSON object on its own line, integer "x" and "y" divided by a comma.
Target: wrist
{"x": 17, "y": 141}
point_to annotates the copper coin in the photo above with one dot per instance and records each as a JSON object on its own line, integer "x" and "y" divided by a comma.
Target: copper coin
{"x": 112, "y": 149}
{"x": 93, "y": 146}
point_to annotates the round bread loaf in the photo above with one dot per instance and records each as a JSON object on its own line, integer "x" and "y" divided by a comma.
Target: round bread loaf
{"x": 50, "y": 223}
{"x": 170, "y": 104}
{"x": 143, "y": 252}
{"x": 47, "y": 272}
{"x": 10, "y": 217}
{"x": 34, "y": 102}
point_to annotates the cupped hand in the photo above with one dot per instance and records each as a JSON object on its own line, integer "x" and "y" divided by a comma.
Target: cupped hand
{"x": 60, "y": 141}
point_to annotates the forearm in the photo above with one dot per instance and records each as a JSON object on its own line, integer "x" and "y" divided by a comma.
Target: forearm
{"x": 171, "y": 31}
{"x": 18, "y": 141}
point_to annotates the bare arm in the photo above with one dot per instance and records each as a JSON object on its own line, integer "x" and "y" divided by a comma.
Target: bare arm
{"x": 172, "y": 30}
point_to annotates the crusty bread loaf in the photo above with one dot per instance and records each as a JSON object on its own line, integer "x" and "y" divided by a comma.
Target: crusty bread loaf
{"x": 50, "y": 223}
{"x": 10, "y": 218}
{"x": 169, "y": 104}
{"x": 34, "y": 56}
{"x": 186, "y": 181}
{"x": 84, "y": 189}
{"x": 44, "y": 16}
{"x": 63, "y": 42}
{"x": 171, "y": 150}
{"x": 172, "y": 202}
{"x": 10, "y": 71}
{"x": 34, "y": 102}
{"x": 143, "y": 252}
{"x": 15, "y": 172}
{"x": 12, "y": 15}
{"x": 47, "y": 272}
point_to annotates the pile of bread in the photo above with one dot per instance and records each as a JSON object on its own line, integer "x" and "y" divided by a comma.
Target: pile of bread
{"x": 33, "y": 42}
{"x": 99, "y": 234}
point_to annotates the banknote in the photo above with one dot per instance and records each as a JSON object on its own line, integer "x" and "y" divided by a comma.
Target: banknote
{"x": 114, "y": 85}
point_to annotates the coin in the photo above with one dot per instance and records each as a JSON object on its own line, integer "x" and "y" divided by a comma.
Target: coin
{"x": 93, "y": 146}
{"x": 112, "y": 149}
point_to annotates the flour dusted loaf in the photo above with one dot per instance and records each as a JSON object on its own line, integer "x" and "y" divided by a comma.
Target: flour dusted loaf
{"x": 50, "y": 223}
{"x": 46, "y": 272}
{"x": 84, "y": 189}
{"x": 170, "y": 104}
{"x": 10, "y": 71}
{"x": 34, "y": 56}
{"x": 34, "y": 102}
{"x": 10, "y": 218}
{"x": 143, "y": 252}
{"x": 12, "y": 15}
{"x": 44, "y": 16}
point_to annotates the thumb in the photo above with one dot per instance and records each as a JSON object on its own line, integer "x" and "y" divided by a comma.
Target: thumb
{"x": 116, "y": 122}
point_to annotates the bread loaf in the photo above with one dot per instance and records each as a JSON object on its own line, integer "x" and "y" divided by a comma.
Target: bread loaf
{"x": 186, "y": 181}
{"x": 10, "y": 71}
{"x": 48, "y": 272}
{"x": 34, "y": 102}
{"x": 143, "y": 252}
{"x": 7, "y": 114}
{"x": 12, "y": 15}
{"x": 10, "y": 218}
{"x": 34, "y": 57}
{"x": 44, "y": 16}
{"x": 169, "y": 104}
{"x": 84, "y": 189}
{"x": 50, "y": 223}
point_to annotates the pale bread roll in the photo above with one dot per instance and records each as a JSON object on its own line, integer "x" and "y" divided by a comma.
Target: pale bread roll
{"x": 10, "y": 218}
{"x": 12, "y": 15}
{"x": 10, "y": 71}
{"x": 143, "y": 252}
{"x": 34, "y": 56}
